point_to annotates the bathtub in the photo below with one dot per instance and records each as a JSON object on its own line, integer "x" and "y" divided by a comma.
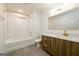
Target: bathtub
{"x": 16, "y": 43}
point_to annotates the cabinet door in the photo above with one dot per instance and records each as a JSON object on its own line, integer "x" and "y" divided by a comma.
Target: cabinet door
{"x": 54, "y": 46}
{"x": 67, "y": 48}
{"x": 74, "y": 49}
{"x": 43, "y": 42}
{"x": 61, "y": 47}
{"x": 46, "y": 43}
{"x": 78, "y": 49}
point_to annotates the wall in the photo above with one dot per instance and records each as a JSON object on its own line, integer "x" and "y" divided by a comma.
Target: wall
{"x": 35, "y": 24}
{"x": 2, "y": 28}
{"x": 44, "y": 21}
{"x": 16, "y": 27}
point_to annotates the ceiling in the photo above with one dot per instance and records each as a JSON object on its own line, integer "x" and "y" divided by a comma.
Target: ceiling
{"x": 27, "y": 8}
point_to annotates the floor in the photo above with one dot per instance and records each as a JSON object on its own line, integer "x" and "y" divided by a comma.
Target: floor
{"x": 29, "y": 51}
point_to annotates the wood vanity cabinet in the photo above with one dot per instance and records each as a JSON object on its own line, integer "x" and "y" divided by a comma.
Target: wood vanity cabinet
{"x": 66, "y": 48}
{"x": 45, "y": 43}
{"x": 74, "y": 49}
{"x": 53, "y": 46}
{"x": 59, "y": 47}
{"x": 56, "y": 47}
{"x": 78, "y": 49}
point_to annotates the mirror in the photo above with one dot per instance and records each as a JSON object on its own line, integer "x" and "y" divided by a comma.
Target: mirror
{"x": 68, "y": 20}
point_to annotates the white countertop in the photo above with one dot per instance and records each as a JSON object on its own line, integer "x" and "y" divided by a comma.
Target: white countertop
{"x": 70, "y": 38}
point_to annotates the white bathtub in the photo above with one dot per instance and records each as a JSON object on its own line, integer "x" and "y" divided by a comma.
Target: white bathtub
{"x": 16, "y": 43}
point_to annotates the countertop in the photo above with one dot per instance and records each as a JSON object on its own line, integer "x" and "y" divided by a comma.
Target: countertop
{"x": 70, "y": 38}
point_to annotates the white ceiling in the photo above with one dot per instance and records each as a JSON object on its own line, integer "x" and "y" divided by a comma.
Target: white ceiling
{"x": 29, "y": 7}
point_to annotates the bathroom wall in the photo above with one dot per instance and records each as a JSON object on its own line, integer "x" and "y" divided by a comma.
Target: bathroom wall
{"x": 36, "y": 24}
{"x": 17, "y": 26}
{"x": 2, "y": 28}
{"x": 18, "y": 29}
{"x": 44, "y": 21}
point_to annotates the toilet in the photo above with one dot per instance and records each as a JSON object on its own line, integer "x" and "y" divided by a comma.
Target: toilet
{"x": 37, "y": 42}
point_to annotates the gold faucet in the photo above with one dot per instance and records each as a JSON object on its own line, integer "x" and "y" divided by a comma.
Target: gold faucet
{"x": 65, "y": 33}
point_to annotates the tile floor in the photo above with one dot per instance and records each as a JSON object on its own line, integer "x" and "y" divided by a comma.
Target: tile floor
{"x": 28, "y": 51}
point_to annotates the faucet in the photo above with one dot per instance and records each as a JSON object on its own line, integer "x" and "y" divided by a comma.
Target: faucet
{"x": 65, "y": 33}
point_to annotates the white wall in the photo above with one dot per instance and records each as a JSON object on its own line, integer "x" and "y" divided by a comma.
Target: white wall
{"x": 44, "y": 21}
{"x": 36, "y": 23}
{"x": 1, "y": 28}
{"x": 16, "y": 27}
{"x": 21, "y": 28}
